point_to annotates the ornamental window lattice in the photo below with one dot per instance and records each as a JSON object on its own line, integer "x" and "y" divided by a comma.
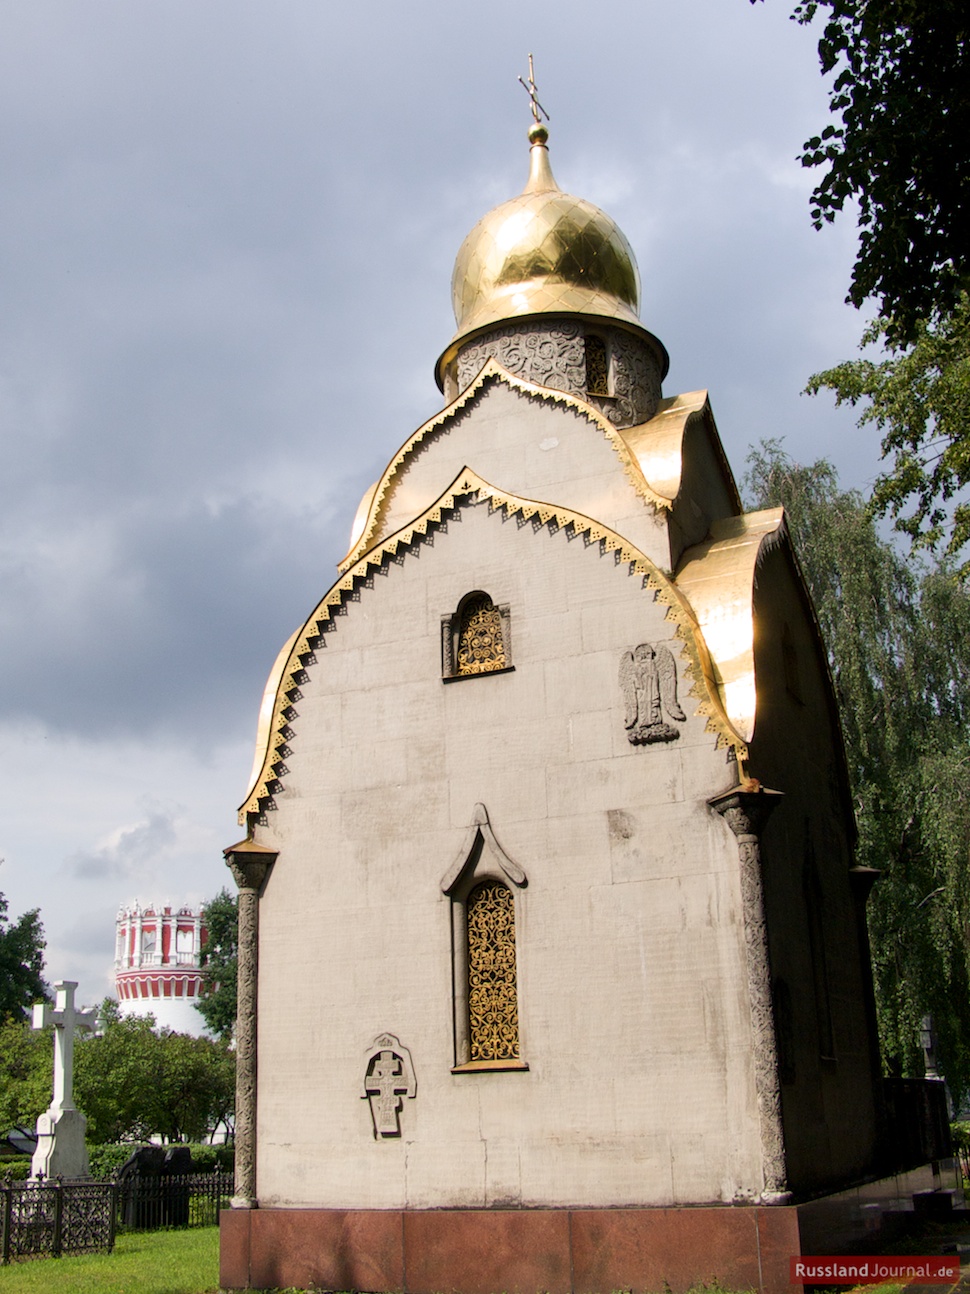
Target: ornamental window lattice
{"x": 493, "y": 1014}
{"x": 475, "y": 640}
{"x": 481, "y": 647}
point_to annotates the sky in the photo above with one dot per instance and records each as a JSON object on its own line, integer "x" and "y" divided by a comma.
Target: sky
{"x": 227, "y": 232}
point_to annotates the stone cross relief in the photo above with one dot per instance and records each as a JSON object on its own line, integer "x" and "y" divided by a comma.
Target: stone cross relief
{"x": 388, "y": 1076}
{"x": 648, "y": 681}
{"x": 60, "y": 1130}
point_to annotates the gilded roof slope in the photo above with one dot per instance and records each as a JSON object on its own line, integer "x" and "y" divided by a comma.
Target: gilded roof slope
{"x": 717, "y": 577}
{"x": 651, "y": 453}
{"x": 367, "y": 525}
{"x": 659, "y": 444}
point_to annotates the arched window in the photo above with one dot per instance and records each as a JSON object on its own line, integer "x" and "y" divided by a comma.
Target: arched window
{"x": 493, "y": 1011}
{"x": 483, "y": 884}
{"x": 481, "y": 648}
{"x": 475, "y": 640}
{"x": 597, "y": 367}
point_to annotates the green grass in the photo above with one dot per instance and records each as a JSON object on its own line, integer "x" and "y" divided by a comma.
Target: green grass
{"x": 144, "y": 1262}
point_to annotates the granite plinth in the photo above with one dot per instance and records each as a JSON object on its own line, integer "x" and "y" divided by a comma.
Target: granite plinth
{"x": 519, "y": 1251}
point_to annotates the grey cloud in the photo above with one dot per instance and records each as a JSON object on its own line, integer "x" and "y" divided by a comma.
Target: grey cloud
{"x": 161, "y": 637}
{"x": 133, "y": 848}
{"x": 91, "y": 936}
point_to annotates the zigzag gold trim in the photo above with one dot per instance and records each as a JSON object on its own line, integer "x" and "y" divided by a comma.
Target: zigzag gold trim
{"x": 492, "y": 369}
{"x": 468, "y": 483}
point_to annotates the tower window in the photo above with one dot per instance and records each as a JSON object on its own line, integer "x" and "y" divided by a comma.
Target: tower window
{"x": 597, "y": 368}
{"x": 493, "y": 1014}
{"x": 475, "y": 640}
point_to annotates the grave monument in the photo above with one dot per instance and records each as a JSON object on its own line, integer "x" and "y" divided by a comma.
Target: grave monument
{"x": 550, "y": 793}
{"x": 61, "y": 1149}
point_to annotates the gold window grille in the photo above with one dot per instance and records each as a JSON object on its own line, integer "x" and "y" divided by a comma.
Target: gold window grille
{"x": 493, "y": 1012}
{"x": 481, "y": 642}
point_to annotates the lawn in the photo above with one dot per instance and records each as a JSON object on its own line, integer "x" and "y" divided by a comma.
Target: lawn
{"x": 145, "y": 1262}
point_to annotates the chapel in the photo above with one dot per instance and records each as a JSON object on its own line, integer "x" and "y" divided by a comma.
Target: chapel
{"x": 549, "y": 791}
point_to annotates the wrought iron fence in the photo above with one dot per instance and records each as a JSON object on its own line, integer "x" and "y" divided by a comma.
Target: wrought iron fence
{"x": 146, "y": 1203}
{"x": 45, "y": 1219}
{"x": 51, "y": 1218}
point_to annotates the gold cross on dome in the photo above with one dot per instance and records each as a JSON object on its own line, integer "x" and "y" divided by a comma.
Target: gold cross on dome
{"x": 538, "y": 111}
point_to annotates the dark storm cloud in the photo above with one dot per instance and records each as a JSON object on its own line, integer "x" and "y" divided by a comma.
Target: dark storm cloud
{"x": 155, "y": 631}
{"x": 226, "y": 241}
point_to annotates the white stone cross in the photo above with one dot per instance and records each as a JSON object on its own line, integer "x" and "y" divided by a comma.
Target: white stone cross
{"x": 386, "y": 1082}
{"x": 67, "y": 1020}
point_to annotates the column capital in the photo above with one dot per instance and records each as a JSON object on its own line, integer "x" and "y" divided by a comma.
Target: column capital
{"x": 249, "y": 863}
{"x": 746, "y": 808}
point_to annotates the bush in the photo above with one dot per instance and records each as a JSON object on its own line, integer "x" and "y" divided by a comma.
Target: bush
{"x": 106, "y": 1160}
{"x": 214, "y": 1159}
{"x": 17, "y": 1170}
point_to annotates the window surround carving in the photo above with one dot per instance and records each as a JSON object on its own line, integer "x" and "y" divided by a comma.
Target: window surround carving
{"x": 452, "y": 666}
{"x": 482, "y": 860}
{"x": 597, "y": 356}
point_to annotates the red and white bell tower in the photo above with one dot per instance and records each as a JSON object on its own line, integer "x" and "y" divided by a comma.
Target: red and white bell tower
{"x": 158, "y": 957}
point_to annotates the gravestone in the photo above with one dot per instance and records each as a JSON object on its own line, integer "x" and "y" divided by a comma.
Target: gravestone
{"x": 175, "y": 1186}
{"x": 138, "y": 1187}
{"x": 154, "y": 1188}
{"x": 61, "y": 1149}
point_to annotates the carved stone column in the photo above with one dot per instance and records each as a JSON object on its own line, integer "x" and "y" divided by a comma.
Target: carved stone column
{"x": 249, "y": 864}
{"x": 746, "y": 811}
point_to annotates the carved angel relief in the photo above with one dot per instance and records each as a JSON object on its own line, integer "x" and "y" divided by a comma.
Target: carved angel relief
{"x": 648, "y": 681}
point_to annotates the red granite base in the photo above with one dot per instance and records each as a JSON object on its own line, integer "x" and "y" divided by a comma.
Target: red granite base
{"x": 524, "y": 1251}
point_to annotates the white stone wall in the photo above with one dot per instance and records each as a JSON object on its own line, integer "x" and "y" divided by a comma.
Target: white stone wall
{"x": 632, "y": 993}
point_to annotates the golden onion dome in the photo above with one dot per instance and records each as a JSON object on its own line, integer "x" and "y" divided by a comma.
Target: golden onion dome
{"x": 543, "y": 252}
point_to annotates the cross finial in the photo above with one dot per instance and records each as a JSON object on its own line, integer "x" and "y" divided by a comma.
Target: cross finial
{"x": 538, "y": 111}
